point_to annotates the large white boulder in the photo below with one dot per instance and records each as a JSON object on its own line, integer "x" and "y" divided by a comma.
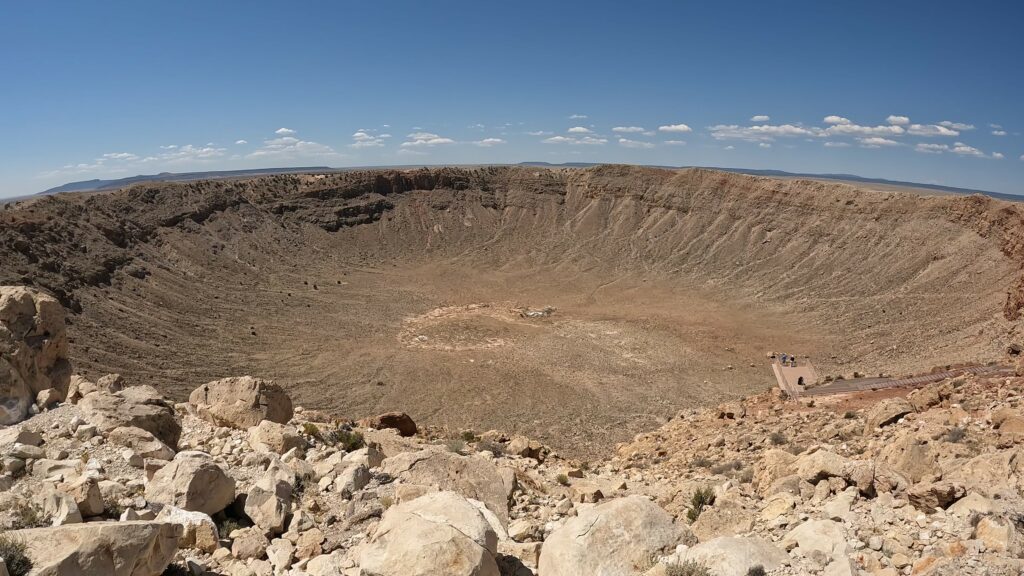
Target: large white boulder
{"x": 438, "y": 533}
{"x": 611, "y": 539}
{"x": 192, "y": 481}
{"x": 33, "y": 351}
{"x": 241, "y": 402}
{"x": 136, "y": 406}
{"x": 107, "y": 548}
{"x": 735, "y": 556}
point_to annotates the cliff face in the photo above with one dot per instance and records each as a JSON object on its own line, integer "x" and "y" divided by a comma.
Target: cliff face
{"x": 310, "y": 279}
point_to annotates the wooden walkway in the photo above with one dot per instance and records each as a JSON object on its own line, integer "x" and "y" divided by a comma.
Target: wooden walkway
{"x": 868, "y": 384}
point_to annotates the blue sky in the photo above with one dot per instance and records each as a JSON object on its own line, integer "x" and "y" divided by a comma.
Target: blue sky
{"x": 922, "y": 91}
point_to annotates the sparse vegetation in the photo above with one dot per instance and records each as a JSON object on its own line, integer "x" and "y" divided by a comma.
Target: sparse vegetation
{"x": 756, "y": 571}
{"x": 777, "y": 438}
{"x": 311, "y": 430}
{"x": 701, "y": 499}
{"x": 468, "y": 436}
{"x": 850, "y": 415}
{"x": 345, "y": 438}
{"x": 956, "y": 434}
{"x": 727, "y": 467}
{"x": 175, "y": 570}
{"x": 456, "y": 445}
{"x": 701, "y": 462}
{"x": 387, "y": 501}
{"x": 687, "y": 568}
{"x": 562, "y": 479}
{"x": 492, "y": 447}
{"x": 13, "y": 551}
{"x": 25, "y": 514}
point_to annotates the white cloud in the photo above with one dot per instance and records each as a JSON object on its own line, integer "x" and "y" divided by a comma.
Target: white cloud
{"x": 836, "y": 120}
{"x": 169, "y": 147}
{"x": 764, "y": 145}
{"x": 931, "y": 130}
{"x": 877, "y": 142}
{"x": 965, "y": 150}
{"x": 578, "y": 117}
{"x": 831, "y": 144}
{"x": 898, "y": 120}
{"x": 240, "y": 142}
{"x": 288, "y": 147}
{"x": 418, "y": 139}
{"x": 363, "y": 139}
{"x": 998, "y": 155}
{"x": 932, "y": 148}
{"x": 411, "y": 152}
{"x": 957, "y": 125}
{"x": 730, "y": 147}
{"x": 999, "y": 132}
{"x": 476, "y": 126}
{"x": 628, "y": 129}
{"x": 760, "y": 118}
{"x": 996, "y": 126}
{"x": 1022, "y": 157}
{"x": 627, "y": 143}
{"x": 848, "y": 128}
{"x": 488, "y": 142}
{"x": 127, "y": 156}
{"x": 675, "y": 128}
{"x": 763, "y": 132}
{"x": 589, "y": 140}
{"x": 676, "y": 142}
{"x": 284, "y": 131}
{"x": 578, "y": 130}
{"x": 539, "y": 133}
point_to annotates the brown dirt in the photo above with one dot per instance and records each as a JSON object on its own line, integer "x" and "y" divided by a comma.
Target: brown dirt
{"x": 383, "y": 290}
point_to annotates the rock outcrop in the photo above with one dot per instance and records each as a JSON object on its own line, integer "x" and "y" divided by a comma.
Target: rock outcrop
{"x": 136, "y": 406}
{"x": 109, "y": 548}
{"x": 241, "y": 402}
{"x": 33, "y": 352}
{"x": 193, "y": 482}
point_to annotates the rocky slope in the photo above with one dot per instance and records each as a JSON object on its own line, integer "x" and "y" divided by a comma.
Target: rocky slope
{"x": 371, "y": 291}
{"x": 109, "y": 477}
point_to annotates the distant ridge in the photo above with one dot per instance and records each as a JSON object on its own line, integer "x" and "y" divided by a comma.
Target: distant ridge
{"x": 99, "y": 185}
{"x": 784, "y": 174}
{"x": 96, "y": 184}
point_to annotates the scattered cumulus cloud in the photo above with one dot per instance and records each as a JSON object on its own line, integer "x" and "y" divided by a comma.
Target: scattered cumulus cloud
{"x": 730, "y": 147}
{"x": 999, "y": 132}
{"x": 931, "y": 130}
{"x": 898, "y": 120}
{"x": 877, "y": 142}
{"x": 931, "y": 148}
{"x": 572, "y": 140}
{"x": 241, "y": 142}
{"x": 957, "y": 125}
{"x": 760, "y": 118}
{"x": 578, "y": 117}
{"x": 837, "y": 120}
{"x": 628, "y": 129}
{"x": 579, "y": 130}
{"x": 423, "y": 139}
{"x": 848, "y": 128}
{"x": 289, "y": 147}
{"x": 998, "y": 155}
{"x": 764, "y": 145}
{"x": 675, "y": 142}
{"x": 363, "y": 138}
{"x": 627, "y": 143}
{"x": 833, "y": 144}
{"x": 539, "y": 133}
{"x": 675, "y": 128}
{"x": 284, "y": 131}
{"x": 759, "y": 133}
{"x": 488, "y": 142}
{"x": 965, "y": 150}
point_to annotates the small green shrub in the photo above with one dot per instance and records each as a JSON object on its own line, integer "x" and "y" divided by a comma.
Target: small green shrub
{"x": 756, "y": 571}
{"x": 562, "y": 479}
{"x": 311, "y": 430}
{"x": 850, "y": 415}
{"x": 687, "y": 568}
{"x": 456, "y": 445}
{"x": 13, "y": 551}
{"x": 348, "y": 440}
{"x": 25, "y": 514}
{"x": 387, "y": 501}
{"x": 701, "y": 462}
{"x": 726, "y": 467}
{"x": 956, "y": 434}
{"x": 702, "y": 498}
{"x": 468, "y": 436}
{"x": 777, "y": 438}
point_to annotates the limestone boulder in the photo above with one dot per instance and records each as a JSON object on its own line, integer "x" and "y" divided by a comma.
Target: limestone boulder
{"x": 109, "y": 548}
{"x": 774, "y": 465}
{"x": 931, "y": 496}
{"x": 727, "y": 517}
{"x": 142, "y": 442}
{"x": 194, "y": 482}
{"x": 391, "y": 420}
{"x": 913, "y": 458}
{"x": 272, "y": 437}
{"x": 733, "y": 556}
{"x": 137, "y": 406}
{"x": 268, "y": 503}
{"x": 241, "y": 402}
{"x": 438, "y": 533}
{"x": 824, "y": 536}
{"x": 886, "y": 412}
{"x": 33, "y": 351}
{"x": 471, "y": 476}
{"x": 820, "y": 465}
{"x": 611, "y": 539}
{"x": 198, "y": 530}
